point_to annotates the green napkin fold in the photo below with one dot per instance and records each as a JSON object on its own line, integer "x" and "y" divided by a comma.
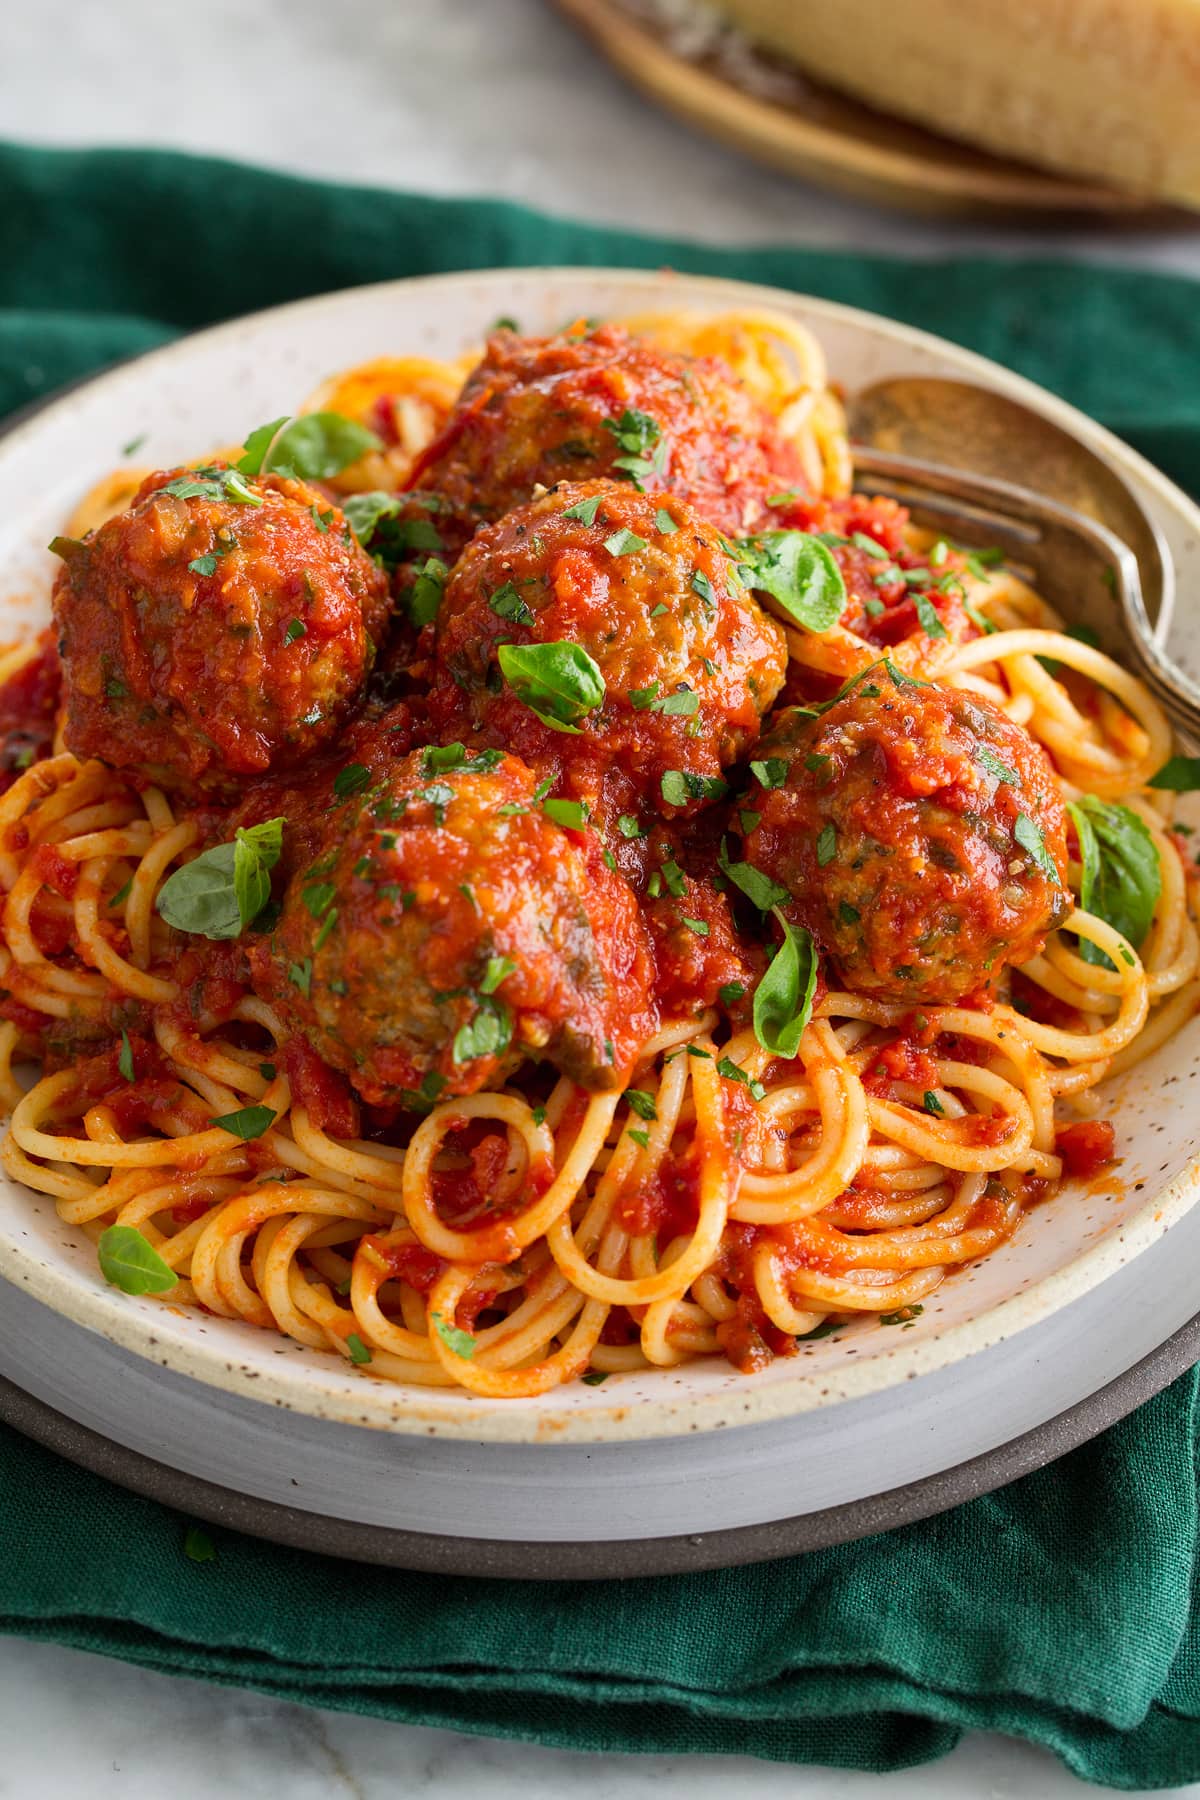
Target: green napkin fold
{"x": 1059, "y": 1609}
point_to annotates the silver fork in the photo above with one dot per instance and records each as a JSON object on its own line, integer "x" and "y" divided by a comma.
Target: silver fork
{"x": 1086, "y": 571}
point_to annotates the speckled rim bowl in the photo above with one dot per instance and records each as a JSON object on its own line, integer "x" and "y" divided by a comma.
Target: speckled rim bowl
{"x": 212, "y": 388}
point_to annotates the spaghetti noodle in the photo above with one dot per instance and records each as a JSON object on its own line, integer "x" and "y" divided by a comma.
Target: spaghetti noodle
{"x": 714, "y": 1195}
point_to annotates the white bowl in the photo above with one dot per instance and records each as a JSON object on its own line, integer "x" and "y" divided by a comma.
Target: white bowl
{"x": 210, "y": 389}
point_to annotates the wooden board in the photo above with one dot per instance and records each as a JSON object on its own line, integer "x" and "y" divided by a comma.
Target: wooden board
{"x": 834, "y": 142}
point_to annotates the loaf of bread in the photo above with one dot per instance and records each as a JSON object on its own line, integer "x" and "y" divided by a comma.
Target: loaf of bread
{"x": 1107, "y": 88}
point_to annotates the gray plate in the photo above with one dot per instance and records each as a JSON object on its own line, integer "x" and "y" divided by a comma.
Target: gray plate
{"x": 532, "y": 1561}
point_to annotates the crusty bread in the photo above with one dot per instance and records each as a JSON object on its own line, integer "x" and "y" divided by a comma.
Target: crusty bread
{"x": 1107, "y": 88}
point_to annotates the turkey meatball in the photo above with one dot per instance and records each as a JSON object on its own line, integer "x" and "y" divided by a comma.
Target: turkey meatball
{"x": 920, "y": 835}
{"x": 221, "y": 628}
{"x": 452, "y": 928}
{"x": 683, "y": 661}
{"x": 589, "y": 403}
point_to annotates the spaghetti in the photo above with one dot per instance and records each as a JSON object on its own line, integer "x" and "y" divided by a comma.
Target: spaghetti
{"x": 714, "y": 1194}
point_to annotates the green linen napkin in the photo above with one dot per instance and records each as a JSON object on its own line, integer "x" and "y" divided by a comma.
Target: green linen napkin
{"x": 1059, "y": 1609}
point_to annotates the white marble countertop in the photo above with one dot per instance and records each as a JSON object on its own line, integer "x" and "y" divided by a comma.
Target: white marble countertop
{"x": 449, "y": 96}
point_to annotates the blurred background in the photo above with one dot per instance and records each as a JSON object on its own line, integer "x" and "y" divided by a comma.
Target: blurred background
{"x": 510, "y": 97}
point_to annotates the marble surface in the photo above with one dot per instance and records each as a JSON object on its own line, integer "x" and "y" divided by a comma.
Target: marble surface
{"x": 78, "y": 1727}
{"x": 449, "y": 96}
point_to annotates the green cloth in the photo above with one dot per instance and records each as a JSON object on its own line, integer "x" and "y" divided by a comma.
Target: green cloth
{"x": 1058, "y": 1609}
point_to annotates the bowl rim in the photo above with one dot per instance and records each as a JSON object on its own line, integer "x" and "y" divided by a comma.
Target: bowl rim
{"x": 142, "y": 1326}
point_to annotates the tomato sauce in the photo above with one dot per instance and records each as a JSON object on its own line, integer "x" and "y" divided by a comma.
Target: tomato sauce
{"x": 1086, "y": 1147}
{"x": 29, "y": 702}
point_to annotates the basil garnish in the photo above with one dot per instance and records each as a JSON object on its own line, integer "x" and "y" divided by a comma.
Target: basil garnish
{"x": 1121, "y": 880}
{"x": 130, "y": 1261}
{"x": 460, "y": 1342}
{"x": 1180, "y": 775}
{"x": 559, "y": 682}
{"x": 375, "y": 519}
{"x": 679, "y": 786}
{"x": 642, "y": 443}
{"x": 927, "y": 616}
{"x": 222, "y": 891}
{"x": 756, "y": 886}
{"x": 783, "y": 999}
{"x": 1028, "y": 834}
{"x": 799, "y": 572}
{"x": 312, "y": 447}
{"x": 987, "y": 759}
{"x": 247, "y": 1123}
{"x": 488, "y": 1034}
{"x": 424, "y": 597}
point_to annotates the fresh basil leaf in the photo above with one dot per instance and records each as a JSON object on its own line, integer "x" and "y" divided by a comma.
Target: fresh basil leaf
{"x": 783, "y": 999}
{"x": 258, "y": 443}
{"x": 201, "y": 896}
{"x": 800, "y": 573}
{"x": 247, "y": 1123}
{"x": 1028, "y": 834}
{"x": 584, "y": 510}
{"x": 1122, "y": 879}
{"x": 364, "y": 512}
{"x": 624, "y": 542}
{"x": 567, "y": 812}
{"x": 772, "y": 772}
{"x": 460, "y": 1342}
{"x": 222, "y": 891}
{"x": 507, "y": 603}
{"x": 678, "y": 787}
{"x": 296, "y": 629}
{"x": 424, "y": 597}
{"x": 640, "y": 438}
{"x": 987, "y": 759}
{"x": 757, "y": 887}
{"x": 358, "y": 1350}
{"x": 319, "y": 898}
{"x": 906, "y": 1316}
{"x": 927, "y": 616}
{"x": 125, "y": 1059}
{"x": 1179, "y": 775}
{"x": 351, "y": 780}
{"x": 731, "y": 1071}
{"x": 489, "y": 1033}
{"x": 129, "y": 1261}
{"x": 826, "y": 845}
{"x": 499, "y": 968}
{"x": 559, "y": 682}
{"x": 257, "y": 848}
{"x": 641, "y": 1103}
{"x": 312, "y": 447}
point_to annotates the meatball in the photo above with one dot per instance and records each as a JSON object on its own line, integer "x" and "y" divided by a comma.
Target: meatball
{"x": 920, "y": 834}
{"x": 585, "y": 404}
{"x": 218, "y": 629}
{"x": 688, "y": 661}
{"x": 452, "y": 928}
